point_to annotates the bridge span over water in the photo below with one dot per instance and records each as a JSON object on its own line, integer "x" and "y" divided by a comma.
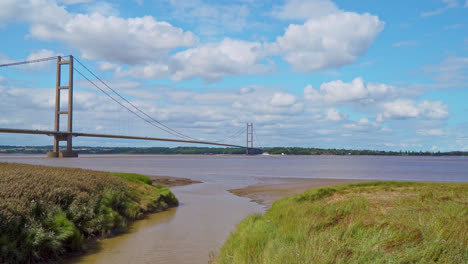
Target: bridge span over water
{"x": 67, "y": 136}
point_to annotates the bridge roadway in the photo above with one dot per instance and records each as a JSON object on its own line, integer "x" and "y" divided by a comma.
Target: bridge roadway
{"x": 75, "y": 134}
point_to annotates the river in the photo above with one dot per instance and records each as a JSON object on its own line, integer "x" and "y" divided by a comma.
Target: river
{"x": 208, "y": 212}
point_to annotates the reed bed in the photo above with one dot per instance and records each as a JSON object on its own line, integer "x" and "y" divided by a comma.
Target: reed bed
{"x": 46, "y": 212}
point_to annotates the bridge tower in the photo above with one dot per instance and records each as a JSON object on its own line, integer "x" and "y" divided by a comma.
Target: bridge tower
{"x": 249, "y": 137}
{"x": 66, "y": 136}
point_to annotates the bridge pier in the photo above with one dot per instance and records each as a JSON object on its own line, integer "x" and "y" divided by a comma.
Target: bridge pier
{"x": 61, "y": 154}
{"x": 56, "y": 153}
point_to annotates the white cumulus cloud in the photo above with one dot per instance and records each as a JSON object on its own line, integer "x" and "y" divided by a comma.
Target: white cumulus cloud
{"x": 283, "y": 99}
{"x": 47, "y": 13}
{"x": 103, "y": 8}
{"x": 213, "y": 61}
{"x": 337, "y": 92}
{"x": 210, "y": 61}
{"x": 117, "y": 39}
{"x": 112, "y": 38}
{"x": 327, "y": 42}
{"x": 335, "y": 115}
{"x": 329, "y": 38}
{"x": 407, "y": 109}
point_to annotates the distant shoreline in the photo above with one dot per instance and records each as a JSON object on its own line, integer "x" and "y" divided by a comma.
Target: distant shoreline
{"x": 85, "y": 150}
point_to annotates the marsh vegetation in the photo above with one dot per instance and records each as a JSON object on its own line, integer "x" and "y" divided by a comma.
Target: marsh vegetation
{"x": 373, "y": 222}
{"x": 46, "y": 212}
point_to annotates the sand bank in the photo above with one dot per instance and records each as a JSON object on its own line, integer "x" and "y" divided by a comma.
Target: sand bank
{"x": 272, "y": 189}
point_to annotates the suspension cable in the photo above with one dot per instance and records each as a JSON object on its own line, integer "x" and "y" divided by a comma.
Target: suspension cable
{"x": 232, "y": 136}
{"x": 138, "y": 109}
{"x": 256, "y": 138}
{"x": 117, "y": 101}
{"x": 28, "y": 61}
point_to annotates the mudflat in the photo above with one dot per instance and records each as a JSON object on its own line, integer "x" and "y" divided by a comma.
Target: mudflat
{"x": 170, "y": 181}
{"x": 272, "y": 188}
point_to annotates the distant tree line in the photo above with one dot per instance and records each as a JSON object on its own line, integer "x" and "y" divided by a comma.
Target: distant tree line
{"x": 209, "y": 150}
{"x": 319, "y": 151}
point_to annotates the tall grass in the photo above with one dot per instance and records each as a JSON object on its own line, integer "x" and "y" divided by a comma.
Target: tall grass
{"x": 46, "y": 211}
{"x": 378, "y": 222}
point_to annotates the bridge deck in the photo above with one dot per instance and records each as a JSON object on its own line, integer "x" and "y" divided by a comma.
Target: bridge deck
{"x": 75, "y": 134}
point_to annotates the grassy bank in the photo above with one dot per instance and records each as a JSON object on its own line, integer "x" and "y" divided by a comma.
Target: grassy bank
{"x": 46, "y": 212}
{"x": 377, "y": 222}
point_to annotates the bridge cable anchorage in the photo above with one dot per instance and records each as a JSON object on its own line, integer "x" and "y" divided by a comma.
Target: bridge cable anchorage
{"x": 28, "y": 61}
{"x": 181, "y": 135}
{"x": 121, "y": 104}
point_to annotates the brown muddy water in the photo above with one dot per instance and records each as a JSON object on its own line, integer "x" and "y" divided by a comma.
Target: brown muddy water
{"x": 208, "y": 212}
{"x": 185, "y": 234}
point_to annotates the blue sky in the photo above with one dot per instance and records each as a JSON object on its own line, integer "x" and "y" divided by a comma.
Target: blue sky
{"x": 388, "y": 75}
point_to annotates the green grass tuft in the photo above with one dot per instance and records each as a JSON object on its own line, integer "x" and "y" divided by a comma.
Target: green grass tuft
{"x": 132, "y": 177}
{"x": 372, "y": 222}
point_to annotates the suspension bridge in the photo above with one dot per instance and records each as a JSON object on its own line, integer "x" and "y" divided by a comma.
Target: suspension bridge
{"x": 68, "y": 135}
